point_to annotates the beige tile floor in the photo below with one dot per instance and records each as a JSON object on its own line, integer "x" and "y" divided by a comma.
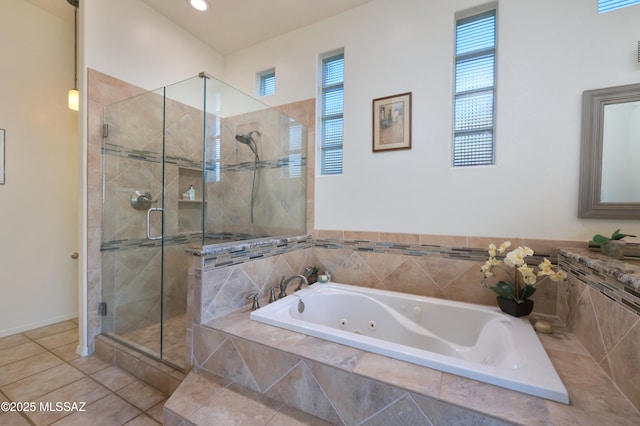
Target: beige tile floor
{"x": 173, "y": 339}
{"x": 40, "y": 368}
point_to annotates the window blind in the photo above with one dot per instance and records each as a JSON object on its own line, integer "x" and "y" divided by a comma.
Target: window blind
{"x": 609, "y": 5}
{"x": 268, "y": 83}
{"x": 332, "y": 82}
{"x": 474, "y": 100}
{"x": 212, "y": 170}
{"x": 293, "y": 167}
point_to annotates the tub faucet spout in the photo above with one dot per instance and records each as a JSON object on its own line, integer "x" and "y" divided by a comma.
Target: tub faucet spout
{"x": 285, "y": 281}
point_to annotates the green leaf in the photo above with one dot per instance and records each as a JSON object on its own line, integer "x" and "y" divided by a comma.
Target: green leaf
{"x": 618, "y": 236}
{"x": 527, "y": 292}
{"x": 600, "y": 239}
{"x": 502, "y": 291}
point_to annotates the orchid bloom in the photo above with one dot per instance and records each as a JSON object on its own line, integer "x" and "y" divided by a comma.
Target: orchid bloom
{"x": 528, "y": 275}
{"x": 545, "y": 268}
{"x": 504, "y": 246}
{"x": 558, "y": 276}
{"x": 486, "y": 269}
{"x": 516, "y": 259}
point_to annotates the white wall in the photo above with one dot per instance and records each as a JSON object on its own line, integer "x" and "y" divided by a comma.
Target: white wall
{"x": 38, "y": 203}
{"x": 130, "y": 41}
{"x": 549, "y": 52}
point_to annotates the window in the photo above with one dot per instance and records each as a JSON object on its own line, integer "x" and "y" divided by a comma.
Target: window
{"x": 609, "y": 5}
{"x": 293, "y": 164}
{"x": 267, "y": 82}
{"x": 213, "y": 164}
{"x": 474, "y": 100}
{"x": 332, "y": 85}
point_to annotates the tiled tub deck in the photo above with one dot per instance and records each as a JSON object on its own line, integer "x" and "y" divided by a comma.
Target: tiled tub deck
{"x": 347, "y": 386}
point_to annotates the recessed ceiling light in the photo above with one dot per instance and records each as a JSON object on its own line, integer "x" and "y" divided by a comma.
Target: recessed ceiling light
{"x": 200, "y": 5}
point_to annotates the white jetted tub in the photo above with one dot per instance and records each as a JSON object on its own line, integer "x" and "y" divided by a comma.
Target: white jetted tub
{"x": 474, "y": 341}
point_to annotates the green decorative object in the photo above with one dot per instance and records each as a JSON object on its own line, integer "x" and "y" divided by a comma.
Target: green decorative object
{"x": 614, "y": 246}
{"x": 601, "y": 239}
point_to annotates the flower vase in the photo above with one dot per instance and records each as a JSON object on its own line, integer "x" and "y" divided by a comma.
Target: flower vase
{"x": 514, "y": 308}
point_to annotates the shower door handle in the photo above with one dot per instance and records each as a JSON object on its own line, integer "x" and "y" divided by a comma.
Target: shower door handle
{"x": 154, "y": 209}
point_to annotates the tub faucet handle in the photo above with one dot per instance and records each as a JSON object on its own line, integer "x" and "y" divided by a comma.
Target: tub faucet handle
{"x": 255, "y": 304}
{"x": 283, "y": 288}
{"x": 285, "y": 281}
{"x": 272, "y": 294}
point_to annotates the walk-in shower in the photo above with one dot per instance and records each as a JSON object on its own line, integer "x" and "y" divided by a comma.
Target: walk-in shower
{"x": 176, "y": 175}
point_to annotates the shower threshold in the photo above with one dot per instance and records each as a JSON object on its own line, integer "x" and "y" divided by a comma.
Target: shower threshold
{"x": 146, "y": 341}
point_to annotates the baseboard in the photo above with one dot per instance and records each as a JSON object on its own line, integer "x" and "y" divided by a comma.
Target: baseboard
{"x": 38, "y": 324}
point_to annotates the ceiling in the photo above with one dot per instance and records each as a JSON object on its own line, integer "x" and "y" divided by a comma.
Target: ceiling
{"x": 231, "y": 25}
{"x": 60, "y": 8}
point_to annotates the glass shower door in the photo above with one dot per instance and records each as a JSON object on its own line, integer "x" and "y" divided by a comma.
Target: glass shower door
{"x": 132, "y": 221}
{"x": 153, "y": 154}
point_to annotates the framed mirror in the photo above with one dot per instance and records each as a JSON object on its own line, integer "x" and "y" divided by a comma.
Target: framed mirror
{"x": 610, "y": 153}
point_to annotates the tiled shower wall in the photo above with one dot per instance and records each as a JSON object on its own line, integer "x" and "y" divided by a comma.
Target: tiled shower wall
{"x": 104, "y": 90}
{"x": 280, "y": 180}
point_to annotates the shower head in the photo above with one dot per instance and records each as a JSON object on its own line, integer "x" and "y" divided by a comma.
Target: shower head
{"x": 247, "y": 138}
{"x": 242, "y": 138}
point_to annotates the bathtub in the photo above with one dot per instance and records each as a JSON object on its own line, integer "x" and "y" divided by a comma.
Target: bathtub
{"x": 473, "y": 341}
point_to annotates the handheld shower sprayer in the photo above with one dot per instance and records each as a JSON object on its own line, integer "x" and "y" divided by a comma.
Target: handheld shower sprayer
{"x": 247, "y": 139}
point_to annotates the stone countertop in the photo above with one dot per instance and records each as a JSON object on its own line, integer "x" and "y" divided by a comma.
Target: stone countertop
{"x": 625, "y": 271}
{"x": 594, "y": 397}
{"x": 235, "y": 246}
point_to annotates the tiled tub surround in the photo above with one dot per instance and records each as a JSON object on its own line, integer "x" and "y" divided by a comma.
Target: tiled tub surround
{"x": 423, "y": 264}
{"x": 601, "y": 305}
{"x": 222, "y": 276}
{"x": 343, "y": 385}
{"x": 446, "y": 267}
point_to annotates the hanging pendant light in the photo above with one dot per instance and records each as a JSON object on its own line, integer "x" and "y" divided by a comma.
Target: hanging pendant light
{"x": 74, "y": 94}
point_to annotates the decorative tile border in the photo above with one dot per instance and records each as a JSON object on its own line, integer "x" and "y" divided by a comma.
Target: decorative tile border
{"x": 155, "y": 157}
{"x": 614, "y": 279}
{"x": 216, "y": 256}
{"x": 457, "y": 253}
{"x": 135, "y": 243}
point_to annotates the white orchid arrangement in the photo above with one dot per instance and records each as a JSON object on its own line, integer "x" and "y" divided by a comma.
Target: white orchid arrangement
{"x": 513, "y": 289}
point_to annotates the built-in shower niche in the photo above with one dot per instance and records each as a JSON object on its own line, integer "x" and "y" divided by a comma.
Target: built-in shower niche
{"x": 163, "y": 142}
{"x": 189, "y": 210}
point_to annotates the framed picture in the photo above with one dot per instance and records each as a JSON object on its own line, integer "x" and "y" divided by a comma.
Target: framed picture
{"x": 392, "y": 122}
{"x": 1, "y": 156}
